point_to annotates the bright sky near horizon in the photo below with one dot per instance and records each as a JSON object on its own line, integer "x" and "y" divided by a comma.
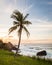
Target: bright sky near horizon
{"x": 40, "y": 14}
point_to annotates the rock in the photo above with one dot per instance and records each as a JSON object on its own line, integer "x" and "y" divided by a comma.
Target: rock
{"x": 1, "y": 44}
{"x": 42, "y": 53}
{"x": 9, "y": 46}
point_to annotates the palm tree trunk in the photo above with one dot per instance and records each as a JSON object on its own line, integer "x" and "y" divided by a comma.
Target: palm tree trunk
{"x": 18, "y": 43}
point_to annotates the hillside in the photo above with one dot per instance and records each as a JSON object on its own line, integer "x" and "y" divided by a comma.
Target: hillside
{"x": 8, "y": 58}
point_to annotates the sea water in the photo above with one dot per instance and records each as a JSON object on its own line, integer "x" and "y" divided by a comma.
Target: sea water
{"x": 32, "y": 49}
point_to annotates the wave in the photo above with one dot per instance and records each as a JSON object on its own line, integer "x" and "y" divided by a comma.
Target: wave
{"x": 32, "y": 49}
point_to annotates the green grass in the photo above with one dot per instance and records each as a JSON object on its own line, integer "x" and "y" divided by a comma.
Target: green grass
{"x": 8, "y": 58}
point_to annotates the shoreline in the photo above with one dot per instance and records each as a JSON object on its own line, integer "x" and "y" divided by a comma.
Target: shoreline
{"x": 40, "y": 57}
{"x": 31, "y": 50}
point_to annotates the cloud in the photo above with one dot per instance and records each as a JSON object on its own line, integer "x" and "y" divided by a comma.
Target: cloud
{"x": 28, "y": 8}
{"x": 40, "y": 20}
{"x": 11, "y": 6}
{"x": 50, "y": 3}
{"x": 15, "y": 1}
{"x": 40, "y": 26}
{"x": 9, "y": 9}
{"x": 6, "y": 6}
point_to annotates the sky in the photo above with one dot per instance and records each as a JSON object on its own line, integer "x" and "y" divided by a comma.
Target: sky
{"x": 40, "y": 14}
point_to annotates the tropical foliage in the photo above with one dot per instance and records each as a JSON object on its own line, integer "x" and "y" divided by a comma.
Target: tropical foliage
{"x": 20, "y": 24}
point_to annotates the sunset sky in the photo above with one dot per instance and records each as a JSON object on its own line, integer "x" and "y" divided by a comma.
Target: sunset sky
{"x": 40, "y": 14}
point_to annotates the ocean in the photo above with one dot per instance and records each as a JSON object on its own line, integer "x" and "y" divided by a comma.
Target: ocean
{"x": 32, "y": 49}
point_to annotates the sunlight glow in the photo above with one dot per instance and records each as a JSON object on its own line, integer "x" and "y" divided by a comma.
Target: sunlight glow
{"x": 41, "y": 28}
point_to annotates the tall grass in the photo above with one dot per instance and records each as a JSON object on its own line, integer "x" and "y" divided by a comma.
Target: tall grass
{"x": 8, "y": 58}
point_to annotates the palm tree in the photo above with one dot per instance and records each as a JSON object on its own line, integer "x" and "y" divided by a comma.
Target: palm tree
{"x": 20, "y": 24}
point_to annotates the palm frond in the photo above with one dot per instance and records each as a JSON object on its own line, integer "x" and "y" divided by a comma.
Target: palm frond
{"x": 25, "y": 16}
{"x": 26, "y": 31}
{"x": 18, "y": 14}
{"x": 13, "y": 28}
{"x": 15, "y": 23}
{"x": 27, "y": 22}
{"x": 20, "y": 21}
{"x": 15, "y": 17}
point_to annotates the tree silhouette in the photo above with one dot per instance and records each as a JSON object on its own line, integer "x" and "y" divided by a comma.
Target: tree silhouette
{"x": 20, "y": 24}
